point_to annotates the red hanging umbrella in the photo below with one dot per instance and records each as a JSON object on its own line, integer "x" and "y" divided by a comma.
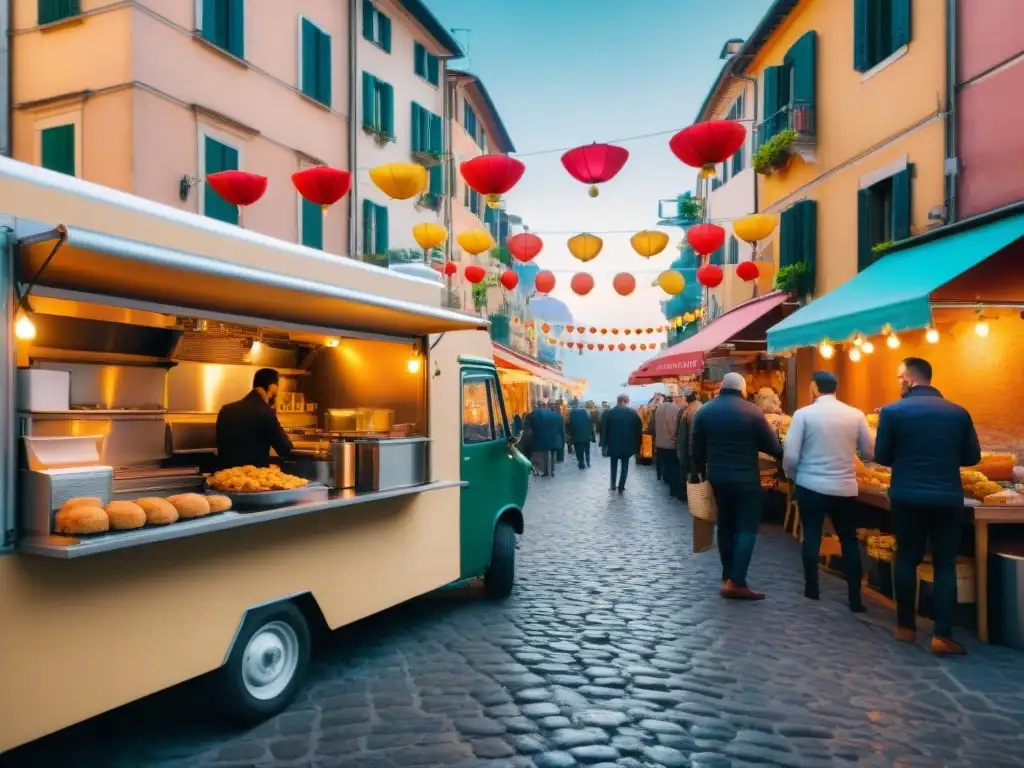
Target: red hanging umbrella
{"x": 239, "y": 188}
{"x": 450, "y": 268}
{"x": 544, "y": 282}
{"x": 322, "y": 185}
{"x": 525, "y": 246}
{"x": 475, "y": 273}
{"x": 747, "y": 271}
{"x": 710, "y": 275}
{"x": 492, "y": 175}
{"x": 509, "y": 279}
{"x": 595, "y": 164}
{"x": 705, "y": 239}
{"x": 704, "y": 145}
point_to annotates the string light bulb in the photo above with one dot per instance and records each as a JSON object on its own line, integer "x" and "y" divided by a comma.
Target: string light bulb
{"x": 892, "y": 341}
{"x": 868, "y": 347}
{"x": 413, "y": 364}
{"x": 981, "y": 327}
{"x": 855, "y": 354}
{"x": 826, "y": 350}
{"x": 24, "y": 328}
{"x": 931, "y": 336}
{"x": 858, "y": 340}
{"x": 333, "y": 342}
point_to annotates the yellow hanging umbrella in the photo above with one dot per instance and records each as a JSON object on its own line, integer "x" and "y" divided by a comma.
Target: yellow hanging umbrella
{"x": 429, "y": 235}
{"x": 585, "y": 246}
{"x": 671, "y": 282}
{"x": 649, "y": 242}
{"x": 400, "y": 181}
{"x": 754, "y": 228}
{"x": 475, "y": 241}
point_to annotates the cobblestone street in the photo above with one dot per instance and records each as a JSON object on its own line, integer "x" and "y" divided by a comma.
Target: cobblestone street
{"x": 614, "y": 649}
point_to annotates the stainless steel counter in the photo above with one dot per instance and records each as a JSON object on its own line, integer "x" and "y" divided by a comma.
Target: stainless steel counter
{"x": 69, "y": 547}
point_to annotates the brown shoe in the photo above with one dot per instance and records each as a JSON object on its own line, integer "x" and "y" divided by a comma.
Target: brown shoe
{"x": 732, "y": 592}
{"x": 906, "y": 635}
{"x": 945, "y": 646}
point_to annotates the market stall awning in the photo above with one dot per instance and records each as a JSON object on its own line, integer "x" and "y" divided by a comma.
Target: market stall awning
{"x": 687, "y": 357}
{"x": 895, "y": 291}
{"x": 508, "y": 359}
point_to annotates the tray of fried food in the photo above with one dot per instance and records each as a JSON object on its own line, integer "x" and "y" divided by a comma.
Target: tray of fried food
{"x": 250, "y": 486}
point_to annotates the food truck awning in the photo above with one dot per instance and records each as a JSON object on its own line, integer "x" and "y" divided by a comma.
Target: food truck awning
{"x": 102, "y": 266}
{"x": 895, "y": 291}
{"x": 506, "y": 358}
{"x": 687, "y": 357}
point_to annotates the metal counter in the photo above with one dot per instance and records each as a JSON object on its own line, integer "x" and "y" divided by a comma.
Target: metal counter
{"x": 69, "y": 547}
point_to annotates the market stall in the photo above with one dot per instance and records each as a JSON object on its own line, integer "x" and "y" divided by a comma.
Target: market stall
{"x": 954, "y": 298}
{"x": 524, "y": 381}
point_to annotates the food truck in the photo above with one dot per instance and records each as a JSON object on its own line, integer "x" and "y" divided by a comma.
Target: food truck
{"x": 126, "y": 325}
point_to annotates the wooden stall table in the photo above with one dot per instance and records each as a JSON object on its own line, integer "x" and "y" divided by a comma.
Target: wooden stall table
{"x": 984, "y": 516}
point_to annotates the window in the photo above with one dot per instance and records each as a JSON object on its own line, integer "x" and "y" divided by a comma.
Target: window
{"x": 736, "y": 112}
{"x": 789, "y": 90}
{"x": 471, "y": 199}
{"x": 880, "y": 29}
{"x": 50, "y": 11}
{"x": 718, "y": 257}
{"x": 311, "y": 224}
{"x": 426, "y": 64}
{"x": 732, "y": 256}
{"x": 378, "y": 106}
{"x": 57, "y": 149}
{"x": 218, "y": 157}
{"x": 315, "y": 63}
{"x": 375, "y": 229}
{"x": 436, "y": 178}
{"x": 483, "y": 142}
{"x": 469, "y": 121}
{"x": 223, "y": 24}
{"x": 883, "y": 216}
{"x": 376, "y": 27}
{"x": 482, "y": 418}
{"x": 798, "y": 237}
{"x": 426, "y": 130}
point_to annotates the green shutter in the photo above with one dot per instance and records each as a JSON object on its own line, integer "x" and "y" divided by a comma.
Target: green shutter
{"x": 802, "y": 57}
{"x": 436, "y": 141}
{"x": 864, "y": 244}
{"x": 325, "y": 88}
{"x": 433, "y": 69}
{"x": 236, "y": 28}
{"x": 771, "y": 104}
{"x": 219, "y": 157}
{"x": 312, "y": 225}
{"x": 861, "y": 36}
{"x": 369, "y": 85}
{"x": 901, "y": 203}
{"x": 50, "y": 11}
{"x": 416, "y": 127}
{"x": 807, "y": 242}
{"x": 436, "y": 174}
{"x": 368, "y": 11}
{"x": 58, "y": 149}
{"x": 385, "y": 32}
{"x": 419, "y": 59}
{"x": 368, "y": 207}
{"x": 900, "y": 23}
{"x": 787, "y": 237}
{"x": 387, "y": 98}
{"x": 308, "y": 57}
{"x": 211, "y": 18}
{"x": 380, "y": 228}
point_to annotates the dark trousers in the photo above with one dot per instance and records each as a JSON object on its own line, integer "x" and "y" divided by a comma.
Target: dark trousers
{"x": 622, "y": 470}
{"x": 915, "y": 526}
{"x": 668, "y": 463}
{"x": 739, "y": 515}
{"x": 582, "y": 454}
{"x": 842, "y": 510}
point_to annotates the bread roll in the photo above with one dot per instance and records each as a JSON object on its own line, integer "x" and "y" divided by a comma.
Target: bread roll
{"x": 82, "y": 501}
{"x": 81, "y": 519}
{"x": 158, "y": 511}
{"x": 125, "y": 515}
{"x": 190, "y": 505}
{"x": 218, "y": 503}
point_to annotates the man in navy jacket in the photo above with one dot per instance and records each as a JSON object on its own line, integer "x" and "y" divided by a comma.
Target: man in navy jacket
{"x": 926, "y": 440}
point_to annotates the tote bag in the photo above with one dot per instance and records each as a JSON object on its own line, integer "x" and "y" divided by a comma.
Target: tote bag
{"x": 701, "y": 499}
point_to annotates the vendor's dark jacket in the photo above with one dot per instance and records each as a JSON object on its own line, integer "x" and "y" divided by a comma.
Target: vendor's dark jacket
{"x": 926, "y": 439}
{"x": 623, "y": 432}
{"x": 580, "y": 427}
{"x": 726, "y": 437}
{"x": 246, "y": 431}
{"x": 602, "y": 427}
{"x": 545, "y": 426}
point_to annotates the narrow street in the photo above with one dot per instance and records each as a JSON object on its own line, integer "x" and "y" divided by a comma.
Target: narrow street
{"x": 615, "y": 649}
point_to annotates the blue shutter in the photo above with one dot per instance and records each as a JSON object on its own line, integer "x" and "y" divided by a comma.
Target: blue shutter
{"x": 387, "y": 98}
{"x": 368, "y": 207}
{"x": 416, "y": 139}
{"x": 325, "y": 89}
{"x": 433, "y": 69}
{"x": 385, "y": 32}
{"x": 369, "y": 86}
{"x": 861, "y": 36}
{"x": 436, "y": 141}
{"x": 210, "y": 20}
{"x": 368, "y": 11}
{"x": 901, "y": 204}
{"x": 900, "y": 23}
{"x": 312, "y": 225}
{"x": 58, "y": 149}
{"x": 864, "y": 244}
{"x": 236, "y": 28}
{"x": 380, "y": 229}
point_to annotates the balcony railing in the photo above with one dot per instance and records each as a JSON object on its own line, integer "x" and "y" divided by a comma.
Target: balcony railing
{"x": 798, "y": 116}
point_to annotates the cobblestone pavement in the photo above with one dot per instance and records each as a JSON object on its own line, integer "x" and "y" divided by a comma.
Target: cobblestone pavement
{"x": 613, "y": 650}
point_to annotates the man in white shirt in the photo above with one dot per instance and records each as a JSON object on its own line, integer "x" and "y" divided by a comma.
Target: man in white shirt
{"x": 819, "y": 458}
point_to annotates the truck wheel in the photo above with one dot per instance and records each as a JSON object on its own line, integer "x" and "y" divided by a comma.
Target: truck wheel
{"x": 267, "y": 663}
{"x": 501, "y": 576}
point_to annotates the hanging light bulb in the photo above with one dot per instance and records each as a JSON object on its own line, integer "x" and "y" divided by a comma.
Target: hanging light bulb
{"x": 257, "y": 345}
{"x": 333, "y": 342}
{"x": 931, "y": 336}
{"x": 981, "y": 327}
{"x": 24, "y": 328}
{"x": 868, "y": 347}
{"x": 413, "y": 364}
{"x": 893, "y": 341}
{"x": 858, "y": 340}
{"x": 826, "y": 350}
{"x": 855, "y": 354}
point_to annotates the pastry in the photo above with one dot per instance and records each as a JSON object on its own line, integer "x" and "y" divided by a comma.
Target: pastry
{"x": 218, "y": 504}
{"x": 158, "y": 511}
{"x": 190, "y": 505}
{"x": 125, "y": 515}
{"x": 82, "y": 501}
{"x": 81, "y": 519}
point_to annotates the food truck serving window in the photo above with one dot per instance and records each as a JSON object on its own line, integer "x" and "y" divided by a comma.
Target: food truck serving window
{"x": 482, "y": 418}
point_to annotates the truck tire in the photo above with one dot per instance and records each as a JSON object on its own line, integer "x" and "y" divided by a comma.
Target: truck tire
{"x": 267, "y": 663}
{"x": 501, "y": 576}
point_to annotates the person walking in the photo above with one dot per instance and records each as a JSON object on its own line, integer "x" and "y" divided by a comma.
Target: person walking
{"x": 623, "y": 434}
{"x": 581, "y": 434}
{"x": 602, "y": 428}
{"x": 666, "y": 425}
{"x": 926, "y": 440}
{"x": 728, "y": 433}
{"x": 556, "y": 427}
{"x": 683, "y": 442}
{"x": 540, "y": 427}
{"x": 821, "y": 444}
{"x": 652, "y": 412}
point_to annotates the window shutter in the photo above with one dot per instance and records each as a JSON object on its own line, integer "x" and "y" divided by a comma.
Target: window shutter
{"x": 900, "y": 23}
{"x": 368, "y": 89}
{"x": 236, "y": 28}
{"x": 864, "y": 244}
{"x": 808, "y": 238}
{"x": 385, "y": 33}
{"x": 734, "y": 251}
{"x": 50, "y": 11}
{"x": 58, "y": 149}
{"x": 419, "y": 56}
{"x": 802, "y": 58}
{"x": 209, "y": 22}
{"x": 436, "y": 139}
{"x": 436, "y": 173}
{"x": 368, "y": 11}
{"x": 309, "y": 59}
{"x": 718, "y": 257}
{"x": 901, "y": 203}
{"x": 368, "y": 207}
{"x": 861, "y": 36}
{"x": 219, "y": 157}
{"x": 325, "y": 87}
{"x": 387, "y": 99}
{"x": 380, "y": 229}
{"x": 787, "y": 237}
{"x": 312, "y": 225}
{"x": 416, "y": 138}
{"x": 771, "y": 103}
{"x": 433, "y": 70}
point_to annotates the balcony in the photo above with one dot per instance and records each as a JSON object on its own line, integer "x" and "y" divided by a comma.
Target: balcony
{"x": 798, "y": 117}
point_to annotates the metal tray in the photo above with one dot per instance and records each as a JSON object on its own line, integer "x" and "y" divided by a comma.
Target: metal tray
{"x": 268, "y": 499}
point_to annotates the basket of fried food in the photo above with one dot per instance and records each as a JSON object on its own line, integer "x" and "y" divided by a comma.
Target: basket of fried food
{"x": 250, "y": 486}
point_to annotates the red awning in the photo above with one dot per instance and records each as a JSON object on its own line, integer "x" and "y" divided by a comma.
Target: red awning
{"x": 506, "y": 358}
{"x": 687, "y": 357}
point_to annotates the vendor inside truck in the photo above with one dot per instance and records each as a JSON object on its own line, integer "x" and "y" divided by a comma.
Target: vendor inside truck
{"x": 248, "y": 428}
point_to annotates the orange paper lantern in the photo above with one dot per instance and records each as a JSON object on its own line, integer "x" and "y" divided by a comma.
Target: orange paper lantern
{"x": 581, "y": 285}
{"x": 624, "y": 283}
{"x": 544, "y": 282}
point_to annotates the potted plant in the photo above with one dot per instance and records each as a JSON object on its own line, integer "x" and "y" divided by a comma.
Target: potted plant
{"x": 774, "y": 154}
{"x": 377, "y": 259}
{"x": 480, "y": 296}
{"x": 379, "y": 134}
{"x": 689, "y": 208}
{"x": 428, "y": 157}
{"x": 430, "y": 201}
{"x": 793, "y": 279}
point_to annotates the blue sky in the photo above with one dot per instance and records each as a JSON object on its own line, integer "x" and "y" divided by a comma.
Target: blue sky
{"x": 568, "y": 72}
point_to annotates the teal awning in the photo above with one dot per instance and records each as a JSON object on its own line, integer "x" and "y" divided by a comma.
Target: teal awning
{"x": 894, "y": 291}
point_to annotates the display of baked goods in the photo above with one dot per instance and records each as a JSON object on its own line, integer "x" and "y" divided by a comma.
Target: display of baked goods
{"x": 218, "y": 503}
{"x": 158, "y": 511}
{"x": 190, "y": 505}
{"x": 125, "y": 515}
{"x": 82, "y": 501}
{"x": 249, "y": 479}
{"x": 996, "y": 466}
{"x": 81, "y": 519}
{"x": 1010, "y": 497}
